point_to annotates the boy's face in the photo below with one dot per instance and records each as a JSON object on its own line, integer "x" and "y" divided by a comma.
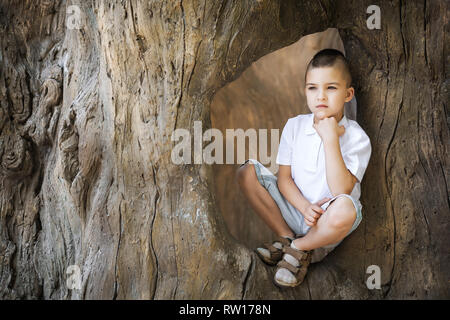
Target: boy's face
{"x": 326, "y": 92}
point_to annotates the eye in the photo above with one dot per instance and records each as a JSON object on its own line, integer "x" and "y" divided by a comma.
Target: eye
{"x": 311, "y": 88}
{"x": 332, "y": 88}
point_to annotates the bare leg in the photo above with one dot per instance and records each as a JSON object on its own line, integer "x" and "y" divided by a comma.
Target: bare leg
{"x": 331, "y": 227}
{"x": 261, "y": 201}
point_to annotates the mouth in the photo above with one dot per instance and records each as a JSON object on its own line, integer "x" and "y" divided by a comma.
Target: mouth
{"x": 321, "y": 106}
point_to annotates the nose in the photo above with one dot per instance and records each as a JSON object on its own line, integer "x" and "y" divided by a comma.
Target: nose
{"x": 321, "y": 95}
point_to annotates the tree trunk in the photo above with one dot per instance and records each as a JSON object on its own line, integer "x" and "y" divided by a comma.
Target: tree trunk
{"x": 91, "y": 93}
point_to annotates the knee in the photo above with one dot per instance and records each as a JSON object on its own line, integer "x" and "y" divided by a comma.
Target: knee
{"x": 245, "y": 174}
{"x": 342, "y": 213}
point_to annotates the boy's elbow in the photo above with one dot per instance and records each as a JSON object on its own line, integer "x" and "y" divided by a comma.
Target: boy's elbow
{"x": 348, "y": 190}
{"x": 343, "y": 189}
{"x": 350, "y": 184}
{"x": 340, "y": 191}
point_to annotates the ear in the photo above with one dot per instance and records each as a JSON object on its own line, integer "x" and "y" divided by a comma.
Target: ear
{"x": 350, "y": 94}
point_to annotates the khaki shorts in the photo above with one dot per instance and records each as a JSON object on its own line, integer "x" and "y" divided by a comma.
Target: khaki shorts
{"x": 291, "y": 215}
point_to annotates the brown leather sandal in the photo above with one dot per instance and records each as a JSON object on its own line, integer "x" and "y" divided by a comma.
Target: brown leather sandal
{"x": 275, "y": 253}
{"x": 304, "y": 259}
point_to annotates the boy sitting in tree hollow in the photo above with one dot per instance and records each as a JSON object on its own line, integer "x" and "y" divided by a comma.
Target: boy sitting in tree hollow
{"x": 314, "y": 201}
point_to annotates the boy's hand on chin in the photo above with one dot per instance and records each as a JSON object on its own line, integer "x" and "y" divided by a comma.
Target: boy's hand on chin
{"x": 328, "y": 128}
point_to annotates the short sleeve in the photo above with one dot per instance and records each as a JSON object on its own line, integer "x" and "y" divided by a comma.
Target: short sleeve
{"x": 357, "y": 155}
{"x": 286, "y": 142}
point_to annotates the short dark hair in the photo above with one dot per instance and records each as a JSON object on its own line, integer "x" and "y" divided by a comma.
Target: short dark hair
{"x": 328, "y": 58}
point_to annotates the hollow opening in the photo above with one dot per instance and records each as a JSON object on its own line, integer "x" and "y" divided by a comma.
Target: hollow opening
{"x": 265, "y": 96}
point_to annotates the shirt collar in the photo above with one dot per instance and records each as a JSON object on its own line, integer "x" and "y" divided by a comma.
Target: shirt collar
{"x": 310, "y": 129}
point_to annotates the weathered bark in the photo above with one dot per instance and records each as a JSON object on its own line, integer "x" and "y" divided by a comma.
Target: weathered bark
{"x": 85, "y": 144}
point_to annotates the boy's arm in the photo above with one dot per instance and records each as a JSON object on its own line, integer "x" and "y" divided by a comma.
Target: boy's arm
{"x": 339, "y": 178}
{"x": 289, "y": 189}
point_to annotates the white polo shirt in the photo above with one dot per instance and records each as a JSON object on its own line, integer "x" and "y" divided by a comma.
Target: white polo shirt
{"x": 302, "y": 148}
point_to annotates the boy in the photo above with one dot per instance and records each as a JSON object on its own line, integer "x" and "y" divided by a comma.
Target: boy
{"x": 313, "y": 204}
